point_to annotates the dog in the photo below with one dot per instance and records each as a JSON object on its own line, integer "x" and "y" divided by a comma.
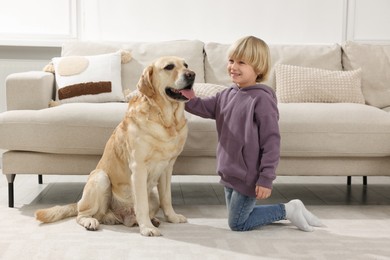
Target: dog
{"x": 133, "y": 178}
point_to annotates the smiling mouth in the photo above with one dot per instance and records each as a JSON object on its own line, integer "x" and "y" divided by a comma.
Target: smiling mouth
{"x": 180, "y": 94}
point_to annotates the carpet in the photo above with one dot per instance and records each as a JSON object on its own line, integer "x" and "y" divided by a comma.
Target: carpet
{"x": 352, "y": 232}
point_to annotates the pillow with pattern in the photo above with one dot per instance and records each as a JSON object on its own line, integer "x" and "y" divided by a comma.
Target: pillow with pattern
{"x": 91, "y": 79}
{"x": 295, "y": 84}
{"x": 207, "y": 89}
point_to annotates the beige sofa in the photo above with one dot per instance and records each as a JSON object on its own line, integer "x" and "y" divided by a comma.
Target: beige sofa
{"x": 322, "y": 134}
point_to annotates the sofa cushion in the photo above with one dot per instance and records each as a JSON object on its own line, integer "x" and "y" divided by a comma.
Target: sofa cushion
{"x": 202, "y": 137}
{"x": 143, "y": 53}
{"x": 295, "y": 84}
{"x": 95, "y": 78}
{"x": 307, "y": 129}
{"x": 84, "y": 128}
{"x": 73, "y": 128}
{"x": 316, "y": 56}
{"x": 387, "y": 109}
{"x": 334, "y": 129}
{"x": 374, "y": 60}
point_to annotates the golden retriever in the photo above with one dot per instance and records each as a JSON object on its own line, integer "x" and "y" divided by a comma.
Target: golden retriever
{"x": 139, "y": 156}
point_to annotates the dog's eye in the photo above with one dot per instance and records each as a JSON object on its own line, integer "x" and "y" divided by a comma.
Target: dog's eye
{"x": 169, "y": 67}
{"x": 186, "y": 65}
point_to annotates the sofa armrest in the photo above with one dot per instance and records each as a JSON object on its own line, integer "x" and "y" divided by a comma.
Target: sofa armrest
{"x": 29, "y": 90}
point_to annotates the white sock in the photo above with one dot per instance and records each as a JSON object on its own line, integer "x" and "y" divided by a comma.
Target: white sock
{"x": 294, "y": 213}
{"x": 310, "y": 218}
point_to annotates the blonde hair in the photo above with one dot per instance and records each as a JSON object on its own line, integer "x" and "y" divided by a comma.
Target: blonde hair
{"x": 254, "y": 52}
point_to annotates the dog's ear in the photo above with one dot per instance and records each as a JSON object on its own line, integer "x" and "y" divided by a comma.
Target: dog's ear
{"x": 145, "y": 84}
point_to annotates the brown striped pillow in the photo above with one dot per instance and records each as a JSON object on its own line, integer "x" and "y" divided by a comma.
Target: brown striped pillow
{"x": 91, "y": 79}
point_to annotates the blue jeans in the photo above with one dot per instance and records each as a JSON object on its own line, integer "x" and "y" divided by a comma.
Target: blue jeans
{"x": 245, "y": 215}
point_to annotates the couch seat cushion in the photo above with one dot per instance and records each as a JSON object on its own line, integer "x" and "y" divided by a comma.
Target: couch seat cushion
{"x": 74, "y": 128}
{"x": 202, "y": 137}
{"x": 337, "y": 129}
{"x": 307, "y": 129}
{"x": 84, "y": 128}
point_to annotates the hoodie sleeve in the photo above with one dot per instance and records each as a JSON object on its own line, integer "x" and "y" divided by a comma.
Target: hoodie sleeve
{"x": 203, "y": 107}
{"x": 267, "y": 116}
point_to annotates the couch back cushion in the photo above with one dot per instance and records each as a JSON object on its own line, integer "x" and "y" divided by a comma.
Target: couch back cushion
{"x": 142, "y": 55}
{"x": 316, "y": 56}
{"x": 374, "y": 61}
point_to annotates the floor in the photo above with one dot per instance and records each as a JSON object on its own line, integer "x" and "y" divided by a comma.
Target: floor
{"x": 357, "y": 219}
{"x": 205, "y": 190}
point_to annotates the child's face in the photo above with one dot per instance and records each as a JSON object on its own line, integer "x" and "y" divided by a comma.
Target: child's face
{"x": 241, "y": 73}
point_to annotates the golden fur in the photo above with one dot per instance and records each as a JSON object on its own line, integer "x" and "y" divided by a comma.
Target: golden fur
{"x": 133, "y": 178}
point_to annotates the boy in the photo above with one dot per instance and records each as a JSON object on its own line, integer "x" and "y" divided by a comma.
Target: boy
{"x": 248, "y": 151}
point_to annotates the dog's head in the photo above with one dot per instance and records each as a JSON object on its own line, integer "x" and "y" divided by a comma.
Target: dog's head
{"x": 168, "y": 77}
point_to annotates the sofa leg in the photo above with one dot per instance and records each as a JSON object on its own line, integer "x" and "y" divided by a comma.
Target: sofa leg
{"x": 40, "y": 179}
{"x": 10, "y": 195}
{"x": 365, "y": 180}
{"x": 349, "y": 180}
{"x": 11, "y": 179}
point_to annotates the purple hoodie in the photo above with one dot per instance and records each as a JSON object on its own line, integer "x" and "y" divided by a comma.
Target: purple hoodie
{"x": 248, "y": 135}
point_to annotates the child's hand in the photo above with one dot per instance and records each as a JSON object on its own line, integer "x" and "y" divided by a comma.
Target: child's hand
{"x": 262, "y": 193}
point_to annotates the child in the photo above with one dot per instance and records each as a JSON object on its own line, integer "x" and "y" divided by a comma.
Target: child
{"x": 248, "y": 150}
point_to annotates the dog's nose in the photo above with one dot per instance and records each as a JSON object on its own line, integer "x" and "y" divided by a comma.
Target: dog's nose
{"x": 190, "y": 75}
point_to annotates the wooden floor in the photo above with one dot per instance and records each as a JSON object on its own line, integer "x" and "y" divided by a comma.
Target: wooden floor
{"x": 312, "y": 190}
{"x": 205, "y": 190}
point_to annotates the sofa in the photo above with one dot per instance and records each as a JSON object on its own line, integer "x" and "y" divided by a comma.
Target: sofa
{"x": 333, "y": 100}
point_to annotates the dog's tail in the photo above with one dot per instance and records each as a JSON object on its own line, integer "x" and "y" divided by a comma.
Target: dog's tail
{"x": 56, "y": 213}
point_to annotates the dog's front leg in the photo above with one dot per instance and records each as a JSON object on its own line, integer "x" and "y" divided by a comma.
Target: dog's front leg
{"x": 165, "y": 194}
{"x": 139, "y": 181}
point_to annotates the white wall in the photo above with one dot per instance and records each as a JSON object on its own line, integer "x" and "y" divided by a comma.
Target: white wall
{"x": 37, "y": 22}
{"x": 368, "y": 20}
{"x": 278, "y": 21}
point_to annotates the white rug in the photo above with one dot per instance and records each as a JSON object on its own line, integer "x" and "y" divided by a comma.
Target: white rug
{"x": 352, "y": 232}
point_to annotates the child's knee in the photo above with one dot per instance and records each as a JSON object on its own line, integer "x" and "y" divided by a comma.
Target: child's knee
{"x": 234, "y": 226}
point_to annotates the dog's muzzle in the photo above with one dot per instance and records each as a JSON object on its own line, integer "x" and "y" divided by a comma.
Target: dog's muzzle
{"x": 185, "y": 93}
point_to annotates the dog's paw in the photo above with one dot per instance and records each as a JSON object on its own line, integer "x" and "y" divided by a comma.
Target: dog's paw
{"x": 156, "y": 222}
{"x": 90, "y": 224}
{"x": 150, "y": 231}
{"x": 176, "y": 218}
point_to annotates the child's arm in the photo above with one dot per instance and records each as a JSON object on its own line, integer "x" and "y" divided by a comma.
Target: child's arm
{"x": 269, "y": 140}
{"x": 203, "y": 107}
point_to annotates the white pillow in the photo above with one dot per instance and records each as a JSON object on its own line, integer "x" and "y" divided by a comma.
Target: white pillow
{"x": 296, "y": 84}
{"x": 207, "y": 89}
{"x": 91, "y": 79}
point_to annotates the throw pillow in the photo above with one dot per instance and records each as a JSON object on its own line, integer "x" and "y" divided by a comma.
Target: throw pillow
{"x": 207, "y": 89}
{"x": 91, "y": 79}
{"x": 296, "y": 84}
